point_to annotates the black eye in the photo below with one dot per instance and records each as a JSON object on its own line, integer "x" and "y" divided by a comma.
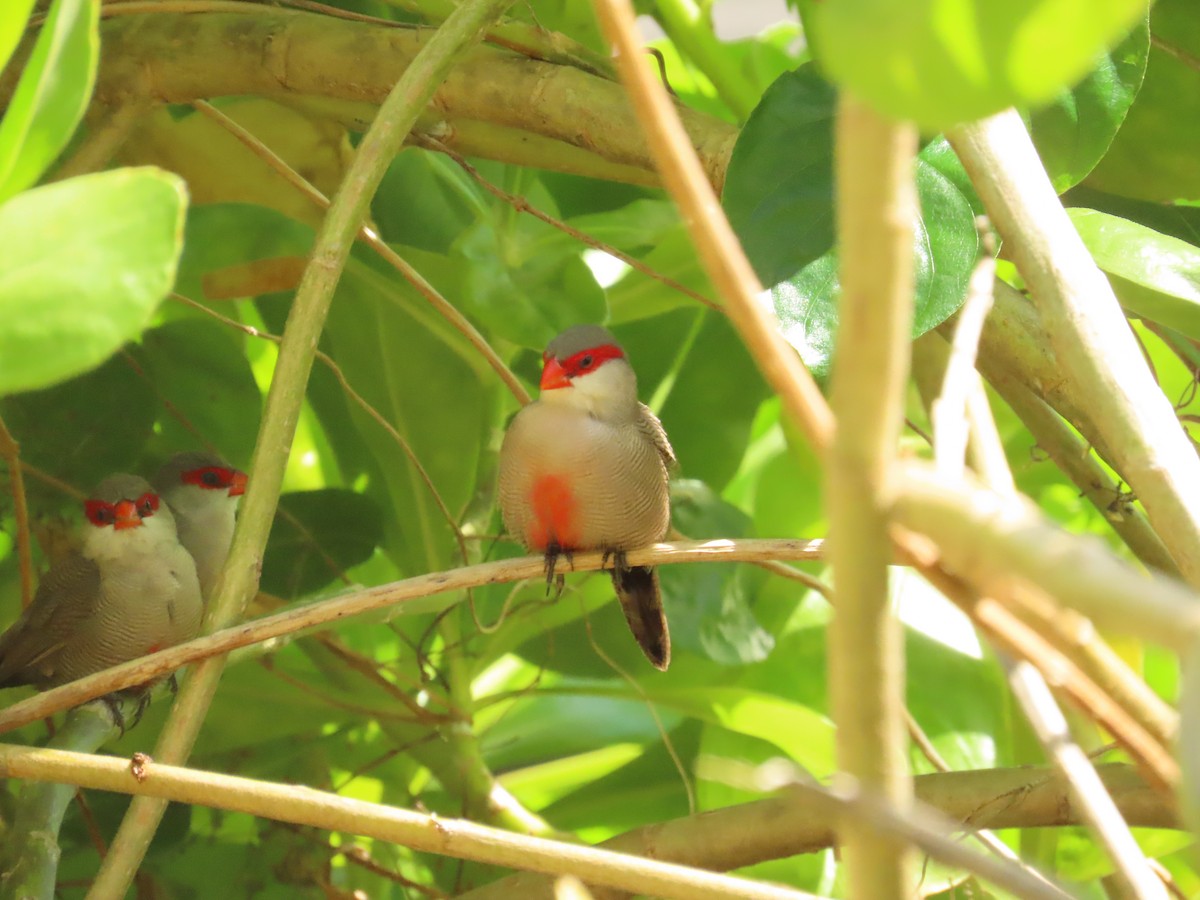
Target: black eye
{"x": 210, "y": 478}
{"x": 586, "y": 362}
{"x": 106, "y": 515}
{"x": 146, "y": 507}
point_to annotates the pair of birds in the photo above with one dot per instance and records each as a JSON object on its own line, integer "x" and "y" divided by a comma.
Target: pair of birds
{"x": 585, "y": 467}
{"x": 149, "y": 558}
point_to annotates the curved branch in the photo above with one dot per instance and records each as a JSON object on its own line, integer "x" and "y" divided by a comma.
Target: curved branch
{"x": 327, "y": 612}
{"x": 496, "y": 104}
{"x": 419, "y": 831}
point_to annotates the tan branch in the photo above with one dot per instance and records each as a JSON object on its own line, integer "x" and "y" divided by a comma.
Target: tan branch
{"x": 338, "y": 609}
{"x": 785, "y": 825}
{"x": 1088, "y": 331}
{"x": 876, "y": 202}
{"x": 419, "y": 831}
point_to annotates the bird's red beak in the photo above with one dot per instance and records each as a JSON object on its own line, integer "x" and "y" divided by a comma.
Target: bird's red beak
{"x": 554, "y": 376}
{"x": 237, "y": 486}
{"x": 126, "y": 515}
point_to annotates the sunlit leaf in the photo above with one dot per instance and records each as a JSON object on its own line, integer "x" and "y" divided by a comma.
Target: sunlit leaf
{"x": 53, "y": 92}
{"x": 942, "y": 62}
{"x": 85, "y": 263}
{"x": 1155, "y": 276}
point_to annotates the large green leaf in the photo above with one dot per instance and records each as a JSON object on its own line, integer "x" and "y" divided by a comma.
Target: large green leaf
{"x": 942, "y": 62}
{"x": 1153, "y": 156}
{"x": 85, "y": 263}
{"x": 1074, "y": 131}
{"x": 52, "y": 94}
{"x": 785, "y": 223}
{"x": 200, "y": 366}
{"x": 710, "y": 607}
{"x": 317, "y": 535}
{"x": 13, "y": 16}
{"x": 1155, "y": 276}
{"x": 427, "y": 381}
{"x": 779, "y": 184}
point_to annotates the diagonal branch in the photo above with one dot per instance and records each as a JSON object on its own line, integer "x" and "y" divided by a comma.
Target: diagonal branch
{"x": 239, "y": 580}
{"x": 338, "y": 609}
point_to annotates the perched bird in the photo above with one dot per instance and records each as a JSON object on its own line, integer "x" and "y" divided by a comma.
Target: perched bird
{"x": 132, "y": 589}
{"x": 202, "y": 491}
{"x": 585, "y": 467}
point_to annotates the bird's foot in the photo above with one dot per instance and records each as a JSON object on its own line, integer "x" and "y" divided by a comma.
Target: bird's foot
{"x": 173, "y": 684}
{"x": 553, "y": 551}
{"x": 619, "y": 564}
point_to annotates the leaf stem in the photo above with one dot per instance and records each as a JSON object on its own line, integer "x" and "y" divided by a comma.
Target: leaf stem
{"x": 239, "y": 580}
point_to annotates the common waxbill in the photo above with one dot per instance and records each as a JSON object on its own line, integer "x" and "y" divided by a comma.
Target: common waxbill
{"x": 202, "y": 491}
{"x": 585, "y": 467}
{"x": 131, "y": 590}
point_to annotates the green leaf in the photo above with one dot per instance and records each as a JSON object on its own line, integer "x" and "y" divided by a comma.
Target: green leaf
{"x": 13, "y": 16}
{"x": 52, "y": 94}
{"x": 84, "y": 429}
{"x": 317, "y": 535}
{"x": 779, "y": 184}
{"x": 942, "y": 62}
{"x": 709, "y": 607}
{"x": 783, "y": 214}
{"x": 946, "y": 246}
{"x": 1075, "y": 130}
{"x": 1153, "y": 156}
{"x": 1155, "y": 276}
{"x": 85, "y": 263}
{"x": 200, "y": 366}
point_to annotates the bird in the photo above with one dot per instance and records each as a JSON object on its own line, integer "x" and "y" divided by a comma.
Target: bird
{"x": 202, "y": 491}
{"x": 586, "y": 466}
{"x": 131, "y": 589}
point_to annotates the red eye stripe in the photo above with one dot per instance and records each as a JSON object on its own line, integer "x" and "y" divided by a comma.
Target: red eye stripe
{"x": 209, "y": 477}
{"x": 99, "y": 513}
{"x": 147, "y": 504}
{"x": 586, "y": 360}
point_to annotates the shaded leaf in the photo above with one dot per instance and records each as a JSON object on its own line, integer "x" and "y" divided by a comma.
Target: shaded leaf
{"x": 1155, "y": 276}
{"x": 1153, "y": 156}
{"x": 317, "y": 535}
{"x": 942, "y": 62}
{"x": 53, "y": 92}
{"x": 200, "y": 367}
{"x": 779, "y": 184}
{"x": 86, "y": 262}
{"x": 785, "y": 222}
{"x": 84, "y": 429}
{"x": 709, "y": 607}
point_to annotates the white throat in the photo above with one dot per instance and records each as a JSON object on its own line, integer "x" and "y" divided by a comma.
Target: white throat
{"x": 609, "y": 393}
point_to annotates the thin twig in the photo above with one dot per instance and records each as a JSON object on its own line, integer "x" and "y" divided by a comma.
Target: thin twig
{"x": 368, "y": 236}
{"x": 1094, "y": 801}
{"x": 11, "y": 451}
{"x": 717, "y": 246}
{"x": 520, "y": 204}
{"x": 326, "y": 612}
{"x": 949, "y": 410}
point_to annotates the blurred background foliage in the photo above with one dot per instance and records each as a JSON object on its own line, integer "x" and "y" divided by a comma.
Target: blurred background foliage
{"x": 562, "y": 710}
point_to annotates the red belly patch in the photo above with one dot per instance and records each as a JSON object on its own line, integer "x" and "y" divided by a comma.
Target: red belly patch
{"x": 554, "y": 515}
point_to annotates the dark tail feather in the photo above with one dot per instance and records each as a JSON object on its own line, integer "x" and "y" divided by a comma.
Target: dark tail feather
{"x": 641, "y": 601}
